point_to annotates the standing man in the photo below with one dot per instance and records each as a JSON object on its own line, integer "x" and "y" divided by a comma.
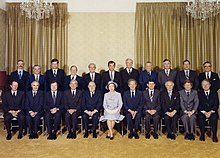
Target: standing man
{"x": 34, "y": 102}
{"x": 53, "y": 107}
{"x": 187, "y": 74}
{"x": 128, "y": 73}
{"x": 72, "y": 103}
{"x": 91, "y": 105}
{"x": 133, "y": 104}
{"x": 73, "y": 76}
{"x": 151, "y": 108}
{"x": 20, "y": 76}
{"x": 212, "y": 77}
{"x": 148, "y": 74}
{"x": 167, "y": 74}
{"x": 92, "y": 76}
{"x": 170, "y": 103}
{"x": 111, "y": 75}
{"x": 208, "y": 110}
{"x": 55, "y": 74}
{"x": 13, "y": 106}
{"x": 36, "y": 76}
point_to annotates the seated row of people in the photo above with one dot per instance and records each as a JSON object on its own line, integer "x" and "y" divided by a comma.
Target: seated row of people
{"x": 152, "y": 104}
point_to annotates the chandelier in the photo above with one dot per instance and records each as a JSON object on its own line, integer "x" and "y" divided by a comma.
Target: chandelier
{"x": 202, "y": 9}
{"x": 36, "y": 9}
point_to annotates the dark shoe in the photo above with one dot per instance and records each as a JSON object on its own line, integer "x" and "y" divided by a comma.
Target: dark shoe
{"x": 31, "y": 136}
{"x": 147, "y": 136}
{"x": 136, "y": 136}
{"x": 86, "y": 134}
{"x": 50, "y": 137}
{"x": 173, "y": 136}
{"x": 74, "y": 134}
{"x": 155, "y": 136}
{"x": 215, "y": 139}
{"x": 54, "y": 136}
{"x": 191, "y": 136}
{"x": 186, "y": 136}
{"x": 36, "y": 136}
{"x": 20, "y": 135}
{"x": 8, "y": 137}
{"x": 111, "y": 138}
{"x": 94, "y": 135}
{"x": 202, "y": 137}
{"x": 107, "y": 137}
{"x": 70, "y": 135}
{"x": 130, "y": 135}
{"x": 169, "y": 136}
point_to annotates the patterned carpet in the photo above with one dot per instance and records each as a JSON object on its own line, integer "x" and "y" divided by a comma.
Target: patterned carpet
{"x": 102, "y": 147}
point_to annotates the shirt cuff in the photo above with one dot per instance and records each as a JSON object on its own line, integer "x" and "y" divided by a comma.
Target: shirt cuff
{"x": 212, "y": 111}
{"x": 96, "y": 110}
{"x": 203, "y": 111}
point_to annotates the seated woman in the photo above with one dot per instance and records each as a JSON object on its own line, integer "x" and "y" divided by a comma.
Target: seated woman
{"x": 112, "y": 105}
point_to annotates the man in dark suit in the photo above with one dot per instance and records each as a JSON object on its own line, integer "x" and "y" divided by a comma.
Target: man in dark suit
{"x": 36, "y": 76}
{"x": 208, "y": 110}
{"x": 13, "y": 106}
{"x": 53, "y": 109}
{"x": 20, "y": 76}
{"x": 55, "y": 74}
{"x": 92, "y": 76}
{"x": 111, "y": 75}
{"x": 187, "y": 74}
{"x": 73, "y": 76}
{"x": 91, "y": 104}
{"x": 167, "y": 74}
{"x": 212, "y": 77}
{"x": 170, "y": 103}
{"x": 72, "y": 104}
{"x": 151, "y": 108}
{"x": 133, "y": 104}
{"x": 128, "y": 73}
{"x": 34, "y": 102}
{"x": 148, "y": 74}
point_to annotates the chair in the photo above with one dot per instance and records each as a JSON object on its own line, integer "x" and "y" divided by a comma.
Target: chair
{"x": 90, "y": 124}
{"x": 42, "y": 125}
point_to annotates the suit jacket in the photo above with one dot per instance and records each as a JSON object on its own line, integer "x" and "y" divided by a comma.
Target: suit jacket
{"x": 125, "y": 76}
{"x": 106, "y": 79}
{"x": 144, "y": 78}
{"x": 193, "y": 77}
{"x": 170, "y": 105}
{"x": 59, "y": 78}
{"x": 71, "y": 102}
{"x": 214, "y": 80}
{"x": 212, "y": 103}
{"x": 42, "y": 82}
{"x": 162, "y": 77}
{"x": 13, "y": 103}
{"x": 135, "y": 103}
{"x": 68, "y": 79}
{"x": 49, "y": 104}
{"x": 189, "y": 103}
{"x": 87, "y": 79}
{"x": 21, "y": 82}
{"x": 153, "y": 104}
{"x": 91, "y": 103}
{"x": 34, "y": 103}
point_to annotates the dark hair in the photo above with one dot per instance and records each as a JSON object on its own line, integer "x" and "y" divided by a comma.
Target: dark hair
{"x": 111, "y": 62}
{"x": 54, "y": 81}
{"x": 186, "y": 61}
{"x": 207, "y": 62}
{"x": 54, "y": 60}
{"x": 20, "y": 61}
{"x": 13, "y": 81}
{"x": 150, "y": 80}
{"x": 166, "y": 60}
{"x": 187, "y": 81}
{"x": 206, "y": 81}
{"x": 74, "y": 66}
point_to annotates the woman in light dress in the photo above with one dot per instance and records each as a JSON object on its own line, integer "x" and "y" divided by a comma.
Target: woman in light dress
{"x": 112, "y": 106}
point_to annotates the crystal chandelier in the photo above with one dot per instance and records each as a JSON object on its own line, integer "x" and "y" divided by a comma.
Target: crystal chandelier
{"x": 36, "y": 9}
{"x": 202, "y": 9}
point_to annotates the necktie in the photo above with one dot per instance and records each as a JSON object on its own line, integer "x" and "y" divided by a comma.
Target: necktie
{"x": 54, "y": 73}
{"x": 54, "y": 98}
{"x": 207, "y": 95}
{"x": 72, "y": 78}
{"x": 92, "y": 77}
{"x": 208, "y": 77}
{"x": 129, "y": 71}
{"x": 20, "y": 75}
{"x": 167, "y": 72}
{"x": 92, "y": 94}
{"x": 37, "y": 78}
{"x": 151, "y": 96}
{"x": 170, "y": 95}
{"x": 187, "y": 94}
{"x": 148, "y": 73}
{"x": 187, "y": 74}
{"x": 34, "y": 94}
{"x": 132, "y": 95}
{"x": 111, "y": 76}
{"x": 14, "y": 94}
{"x": 73, "y": 93}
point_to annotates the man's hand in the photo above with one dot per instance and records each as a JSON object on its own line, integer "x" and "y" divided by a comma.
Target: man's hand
{"x": 71, "y": 111}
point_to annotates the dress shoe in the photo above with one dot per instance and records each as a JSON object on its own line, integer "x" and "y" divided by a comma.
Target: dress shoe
{"x": 74, "y": 134}
{"x": 136, "y": 136}
{"x": 169, "y": 135}
{"x": 191, "y": 136}
{"x": 86, "y": 134}
{"x": 111, "y": 138}
{"x": 186, "y": 136}
{"x": 94, "y": 135}
{"x": 36, "y": 136}
{"x": 130, "y": 135}
{"x": 147, "y": 136}
{"x": 70, "y": 135}
{"x": 107, "y": 137}
{"x": 20, "y": 135}
{"x": 50, "y": 137}
{"x": 54, "y": 136}
{"x": 8, "y": 137}
{"x": 173, "y": 136}
{"x": 155, "y": 136}
{"x": 202, "y": 137}
{"x": 215, "y": 139}
{"x": 31, "y": 136}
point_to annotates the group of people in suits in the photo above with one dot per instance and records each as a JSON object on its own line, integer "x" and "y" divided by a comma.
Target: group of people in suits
{"x": 151, "y": 95}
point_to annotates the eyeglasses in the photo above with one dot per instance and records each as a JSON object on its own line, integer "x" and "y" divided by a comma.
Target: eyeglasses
{"x": 207, "y": 66}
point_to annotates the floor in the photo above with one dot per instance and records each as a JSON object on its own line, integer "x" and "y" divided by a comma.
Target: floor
{"x": 102, "y": 147}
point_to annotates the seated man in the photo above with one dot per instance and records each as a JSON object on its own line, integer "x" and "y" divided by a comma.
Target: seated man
{"x": 151, "y": 108}
{"x": 53, "y": 110}
{"x": 189, "y": 103}
{"x": 13, "y": 106}
{"x": 91, "y": 104}
{"x": 170, "y": 103}
{"x": 72, "y": 104}
{"x": 133, "y": 104}
{"x": 208, "y": 109}
{"x": 34, "y": 102}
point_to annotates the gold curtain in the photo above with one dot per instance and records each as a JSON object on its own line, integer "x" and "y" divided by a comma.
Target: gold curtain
{"x": 163, "y": 30}
{"x": 36, "y": 42}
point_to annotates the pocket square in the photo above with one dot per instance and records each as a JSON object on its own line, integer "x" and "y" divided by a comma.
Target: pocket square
{"x": 214, "y": 78}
